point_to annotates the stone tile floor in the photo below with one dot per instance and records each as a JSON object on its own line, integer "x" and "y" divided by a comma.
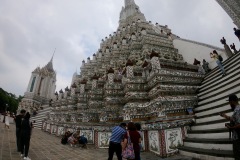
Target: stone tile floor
{"x": 48, "y": 147}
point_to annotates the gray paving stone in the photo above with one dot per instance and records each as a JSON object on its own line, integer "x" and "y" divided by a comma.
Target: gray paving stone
{"x": 48, "y": 147}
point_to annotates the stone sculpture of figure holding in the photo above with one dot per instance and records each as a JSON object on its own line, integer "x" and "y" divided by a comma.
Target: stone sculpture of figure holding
{"x": 226, "y": 47}
{"x": 232, "y": 46}
{"x": 205, "y": 66}
{"x": 223, "y": 41}
{"x": 237, "y": 33}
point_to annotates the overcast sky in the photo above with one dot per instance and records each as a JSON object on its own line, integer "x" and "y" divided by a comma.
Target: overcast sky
{"x": 31, "y": 30}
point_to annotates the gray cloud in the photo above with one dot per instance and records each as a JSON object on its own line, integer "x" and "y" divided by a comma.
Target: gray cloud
{"x": 29, "y": 32}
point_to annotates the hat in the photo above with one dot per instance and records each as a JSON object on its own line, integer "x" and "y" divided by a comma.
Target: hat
{"x": 232, "y": 97}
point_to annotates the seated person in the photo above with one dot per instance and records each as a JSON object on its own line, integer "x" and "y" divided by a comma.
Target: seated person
{"x": 83, "y": 141}
{"x": 64, "y": 139}
{"x": 73, "y": 139}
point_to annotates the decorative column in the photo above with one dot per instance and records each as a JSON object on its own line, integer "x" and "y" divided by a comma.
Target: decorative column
{"x": 129, "y": 67}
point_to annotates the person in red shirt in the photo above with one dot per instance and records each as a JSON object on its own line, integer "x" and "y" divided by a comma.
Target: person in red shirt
{"x": 135, "y": 139}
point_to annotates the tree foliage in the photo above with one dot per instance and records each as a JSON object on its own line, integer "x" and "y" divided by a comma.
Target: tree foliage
{"x": 8, "y": 101}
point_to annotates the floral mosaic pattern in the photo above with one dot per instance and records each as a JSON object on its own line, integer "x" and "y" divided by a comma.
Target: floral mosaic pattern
{"x": 153, "y": 139}
{"x": 104, "y": 139}
{"x": 173, "y": 139}
{"x": 89, "y": 135}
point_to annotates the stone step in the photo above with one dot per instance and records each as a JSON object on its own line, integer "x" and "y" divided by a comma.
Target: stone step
{"x": 219, "y": 79}
{"x": 220, "y": 95}
{"x": 210, "y": 118}
{"x": 210, "y": 125}
{"x": 226, "y": 64}
{"x": 224, "y": 109}
{"x": 223, "y": 87}
{"x": 212, "y": 87}
{"x": 220, "y": 133}
{"x": 217, "y": 102}
{"x": 206, "y": 154}
{"x": 212, "y": 144}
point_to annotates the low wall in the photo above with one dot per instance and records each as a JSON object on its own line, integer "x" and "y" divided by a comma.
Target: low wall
{"x": 163, "y": 143}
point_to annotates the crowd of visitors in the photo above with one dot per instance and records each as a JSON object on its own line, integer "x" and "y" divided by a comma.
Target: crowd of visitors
{"x": 74, "y": 139}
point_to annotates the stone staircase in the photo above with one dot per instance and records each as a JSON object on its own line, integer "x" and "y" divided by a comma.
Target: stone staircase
{"x": 208, "y": 139}
{"x": 42, "y": 114}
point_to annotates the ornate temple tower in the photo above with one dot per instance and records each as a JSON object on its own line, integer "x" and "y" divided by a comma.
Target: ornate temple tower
{"x": 232, "y": 7}
{"x": 41, "y": 87}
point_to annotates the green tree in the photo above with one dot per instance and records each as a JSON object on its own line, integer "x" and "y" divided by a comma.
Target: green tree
{"x": 10, "y": 100}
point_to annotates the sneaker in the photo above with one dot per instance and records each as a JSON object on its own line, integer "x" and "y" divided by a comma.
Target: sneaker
{"x": 22, "y": 155}
{"x": 26, "y": 158}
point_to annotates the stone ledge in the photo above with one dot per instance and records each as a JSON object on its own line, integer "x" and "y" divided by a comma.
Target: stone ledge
{"x": 208, "y": 141}
{"x": 216, "y": 153}
{"x": 211, "y": 122}
{"x": 206, "y": 85}
{"x": 219, "y": 130}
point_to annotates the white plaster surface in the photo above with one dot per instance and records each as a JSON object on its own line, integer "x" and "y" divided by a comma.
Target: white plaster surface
{"x": 191, "y": 50}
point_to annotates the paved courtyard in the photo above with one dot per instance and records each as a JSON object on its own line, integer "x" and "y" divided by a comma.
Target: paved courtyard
{"x": 48, "y": 147}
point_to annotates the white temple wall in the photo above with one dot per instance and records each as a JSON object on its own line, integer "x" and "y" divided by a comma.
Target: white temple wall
{"x": 190, "y": 50}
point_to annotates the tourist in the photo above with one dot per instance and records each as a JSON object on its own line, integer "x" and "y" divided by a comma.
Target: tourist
{"x": 64, "y": 139}
{"x": 234, "y": 124}
{"x": 205, "y": 66}
{"x": 237, "y": 32}
{"x": 196, "y": 62}
{"x": 215, "y": 56}
{"x": 233, "y": 47}
{"x": 73, "y": 139}
{"x": 135, "y": 139}
{"x": 26, "y": 130}
{"x": 18, "y": 122}
{"x": 7, "y": 120}
{"x": 83, "y": 141}
{"x": 138, "y": 127}
{"x": 115, "y": 141}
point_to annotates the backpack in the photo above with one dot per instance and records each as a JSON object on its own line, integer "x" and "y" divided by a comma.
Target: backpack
{"x": 220, "y": 58}
{"x": 64, "y": 140}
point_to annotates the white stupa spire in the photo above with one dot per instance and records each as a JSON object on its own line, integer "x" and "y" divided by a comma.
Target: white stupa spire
{"x": 130, "y": 12}
{"x": 129, "y": 2}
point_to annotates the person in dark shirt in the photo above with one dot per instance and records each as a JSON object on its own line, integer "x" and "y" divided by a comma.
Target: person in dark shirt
{"x": 26, "y": 129}
{"x": 18, "y": 121}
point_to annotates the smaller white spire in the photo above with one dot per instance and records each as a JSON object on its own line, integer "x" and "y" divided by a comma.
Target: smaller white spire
{"x": 129, "y": 2}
